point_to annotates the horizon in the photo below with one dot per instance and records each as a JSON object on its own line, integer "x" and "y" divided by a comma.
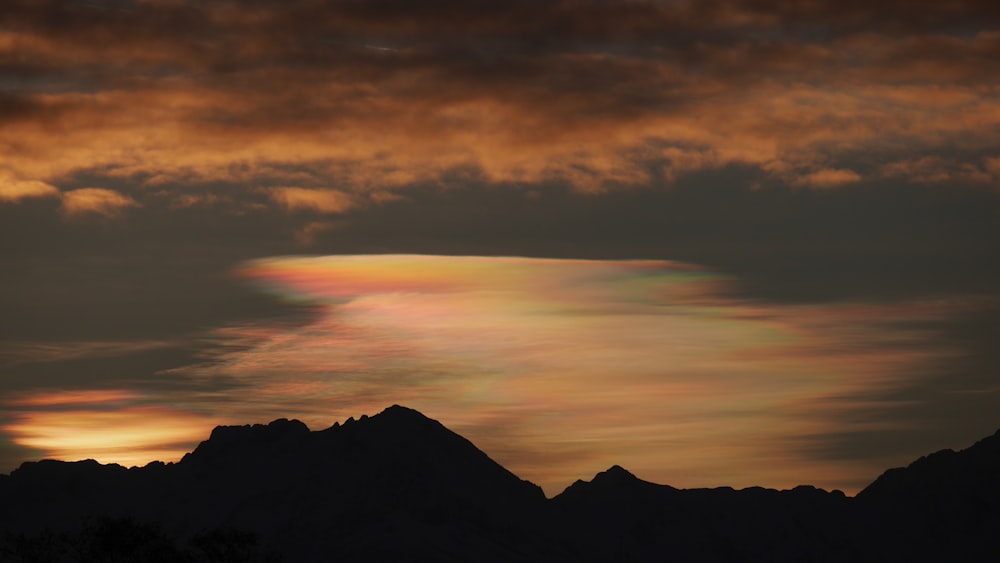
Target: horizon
{"x": 720, "y": 244}
{"x": 362, "y": 417}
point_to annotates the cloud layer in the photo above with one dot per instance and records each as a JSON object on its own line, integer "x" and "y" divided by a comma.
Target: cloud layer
{"x": 361, "y": 97}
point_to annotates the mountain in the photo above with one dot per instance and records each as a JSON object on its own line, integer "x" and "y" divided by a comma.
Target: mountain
{"x": 944, "y": 506}
{"x": 399, "y": 486}
{"x": 621, "y": 517}
{"x": 335, "y": 494}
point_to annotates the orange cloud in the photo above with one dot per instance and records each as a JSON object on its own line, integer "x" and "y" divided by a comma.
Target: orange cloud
{"x": 935, "y": 169}
{"x": 609, "y": 98}
{"x": 515, "y": 133}
{"x": 133, "y": 435}
{"x": 99, "y": 201}
{"x": 306, "y": 235}
{"x": 109, "y": 425}
{"x": 63, "y": 398}
{"x": 13, "y": 190}
{"x": 828, "y": 178}
{"x": 186, "y": 201}
{"x": 323, "y": 201}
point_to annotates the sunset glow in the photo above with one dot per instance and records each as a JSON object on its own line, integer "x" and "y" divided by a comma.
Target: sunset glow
{"x": 88, "y": 426}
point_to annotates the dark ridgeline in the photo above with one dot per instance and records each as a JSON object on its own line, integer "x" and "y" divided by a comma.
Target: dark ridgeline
{"x": 401, "y": 487}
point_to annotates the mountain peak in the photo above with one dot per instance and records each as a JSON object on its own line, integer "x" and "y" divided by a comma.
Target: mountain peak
{"x": 401, "y": 412}
{"x": 615, "y": 476}
{"x": 616, "y": 473}
{"x": 612, "y": 481}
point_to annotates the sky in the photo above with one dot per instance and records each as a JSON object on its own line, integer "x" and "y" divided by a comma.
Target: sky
{"x": 734, "y": 242}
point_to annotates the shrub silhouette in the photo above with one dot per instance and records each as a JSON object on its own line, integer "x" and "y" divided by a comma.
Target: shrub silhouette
{"x": 125, "y": 540}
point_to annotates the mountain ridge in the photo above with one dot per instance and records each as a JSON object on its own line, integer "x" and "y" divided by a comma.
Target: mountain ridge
{"x": 401, "y": 486}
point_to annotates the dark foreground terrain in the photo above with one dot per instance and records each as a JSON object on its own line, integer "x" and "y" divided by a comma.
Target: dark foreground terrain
{"x": 401, "y": 487}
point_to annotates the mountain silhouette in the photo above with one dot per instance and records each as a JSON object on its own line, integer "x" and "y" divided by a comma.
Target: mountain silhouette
{"x": 944, "y": 506}
{"x": 399, "y": 486}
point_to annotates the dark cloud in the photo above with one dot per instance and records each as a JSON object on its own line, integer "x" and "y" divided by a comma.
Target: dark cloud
{"x": 152, "y": 273}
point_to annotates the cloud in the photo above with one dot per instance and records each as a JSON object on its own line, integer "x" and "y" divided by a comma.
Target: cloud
{"x": 320, "y": 200}
{"x": 925, "y": 169}
{"x": 98, "y": 201}
{"x": 86, "y": 396}
{"x": 27, "y": 351}
{"x": 13, "y": 190}
{"x": 586, "y": 93}
{"x": 307, "y": 235}
{"x": 992, "y": 166}
{"x": 187, "y": 201}
{"x": 828, "y": 178}
{"x": 107, "y": 427}
{"x": 937, "y": 170}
